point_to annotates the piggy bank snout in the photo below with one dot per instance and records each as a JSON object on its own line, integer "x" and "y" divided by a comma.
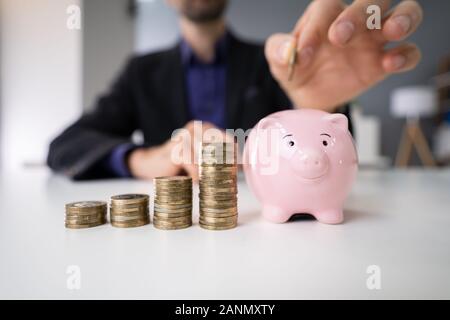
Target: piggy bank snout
{"x": 311, "y": 163}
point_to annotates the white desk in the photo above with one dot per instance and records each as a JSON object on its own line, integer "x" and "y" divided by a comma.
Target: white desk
{"x": 398, "y": 220}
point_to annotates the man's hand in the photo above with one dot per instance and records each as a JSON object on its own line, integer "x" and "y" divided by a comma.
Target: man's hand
{"x": 163, "y": 160}
{"x": 338, "y": 56}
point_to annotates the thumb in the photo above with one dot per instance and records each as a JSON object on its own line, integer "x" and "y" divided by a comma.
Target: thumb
{"x": 278, "y": 48}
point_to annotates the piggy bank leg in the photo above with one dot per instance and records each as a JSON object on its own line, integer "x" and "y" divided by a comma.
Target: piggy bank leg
{"x": 275, "y": 214}
{"x": 333, "y": 216}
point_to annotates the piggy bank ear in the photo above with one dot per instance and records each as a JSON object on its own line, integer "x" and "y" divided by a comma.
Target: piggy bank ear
{"x": 337, "y": 119}
{"x": 268, "y": 123}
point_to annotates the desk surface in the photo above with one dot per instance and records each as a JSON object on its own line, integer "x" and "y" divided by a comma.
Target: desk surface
{"x": 397, "y": 220}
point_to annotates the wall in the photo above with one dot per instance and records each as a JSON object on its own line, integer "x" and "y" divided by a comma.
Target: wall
{"x": 257, "y": 19}
{"x": 108, "y": 39}
{"x": 50, "y": 73}
{"x": 40, "y": 77}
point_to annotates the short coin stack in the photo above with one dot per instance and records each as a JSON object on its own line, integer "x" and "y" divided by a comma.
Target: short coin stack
{"x": 129, "y": 210}
{"x": 218, "y": 186}
{"x": 85, "y": 214}
{"x": 173, "y": 203}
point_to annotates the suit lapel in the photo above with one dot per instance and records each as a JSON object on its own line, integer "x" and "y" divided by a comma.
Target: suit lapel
{"x": 176, "y": 88}
{"x": 236, "y": 77}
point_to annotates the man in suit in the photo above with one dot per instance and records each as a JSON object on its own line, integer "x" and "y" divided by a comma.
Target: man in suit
{"x": 212, "y": 76}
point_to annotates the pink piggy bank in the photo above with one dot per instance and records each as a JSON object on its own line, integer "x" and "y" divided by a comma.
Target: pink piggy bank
{"x": 301, "y": 161}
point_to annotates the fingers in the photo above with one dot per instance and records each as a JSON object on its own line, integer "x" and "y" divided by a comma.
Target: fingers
{"x": 402, "y": 21}
{"x": 192, "y": 171}
{"x": 278, "y": 47}
{"x": 320, "y": 15}
{"x": 402, "y": 58}
{"x": 352, "y": 21}
{"x": 310, "y": 30}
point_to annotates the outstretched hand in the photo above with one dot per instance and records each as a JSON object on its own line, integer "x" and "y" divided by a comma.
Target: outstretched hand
{"x": 339, "y": 57}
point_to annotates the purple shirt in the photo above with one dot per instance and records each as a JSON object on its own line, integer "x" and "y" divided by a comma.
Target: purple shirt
{"x": 205, "y": 87}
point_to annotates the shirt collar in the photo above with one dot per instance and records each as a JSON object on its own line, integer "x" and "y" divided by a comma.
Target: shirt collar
{"x": 188, "y": 56}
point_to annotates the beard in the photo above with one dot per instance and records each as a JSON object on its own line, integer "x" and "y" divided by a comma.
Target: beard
{"x": 204, "y": 11}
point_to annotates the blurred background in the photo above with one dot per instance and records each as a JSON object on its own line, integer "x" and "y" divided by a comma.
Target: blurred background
{"x": 50, "y": 74}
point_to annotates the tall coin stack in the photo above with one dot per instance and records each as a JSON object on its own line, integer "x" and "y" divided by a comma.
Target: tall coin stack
{"x": 129, "y": 210}
{"x": 173, "y": 203}
{"x": 218, "y": 186}
{"x": 85, "y": 214}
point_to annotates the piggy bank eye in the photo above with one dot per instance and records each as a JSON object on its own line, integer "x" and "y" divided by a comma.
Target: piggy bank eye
{"x": 326, "y": 139}
{"x": 289, "y": 140}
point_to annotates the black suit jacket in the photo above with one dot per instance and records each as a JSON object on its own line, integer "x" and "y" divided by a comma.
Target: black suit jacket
{"x": 150, "y": 95}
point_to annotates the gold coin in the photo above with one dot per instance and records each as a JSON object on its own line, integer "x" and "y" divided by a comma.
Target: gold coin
{"x": 85, "y": 218}
{"x": 218, "y": 224}
{"x": 172, "y": 179}
{"x": 128, "y": 210}
{"x": 87, "y": 224}
{"x": 163, "y": 223}
{"x": 218, "y": 145}
{"x": 127, "y": 199}
{"x": 218, "y": 220}
{"x": 217, "y": 154}
{"x": 123, "y": 205}
{"x": 174, "y": 197}
{"x": 217, "y": 183}
{"x": 85, "y": 214}
{"x": 220, "y": 210}
{"x": 171, "y": 191}
{"x": 224, "y": 210}
{"x": 161, "y": 215}
{"x": 222, "y": 169}
{"x": 218, "y": 191}
{"x": 218, "y": 215}
{"x": 84, "y": 226}
{"x": 220, "y": 204}
{"x": 173, "y": 213}
{"x": 86, "y": 205}
{"x": 128, "y": 224}
{"x": 128, "y": 218}
{"x": 168, "y": 206}
{"x": 210, "y": 195}
{"x": 208, "y": 227}
{"x": 172, "y": 220}
{"x": 214, "y": 187}
{"x": 217, "y": 173}
{"x": 174, "y": 186}
{"x": 166, "y": 227}
{"x": 224, "y": 158}
{"x": 167, "y": 203}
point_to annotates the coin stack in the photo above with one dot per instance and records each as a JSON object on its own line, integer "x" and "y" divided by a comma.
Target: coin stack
{"x": 129, "y": 210}
{"x": 173, "y": 203}
{"x": 85, "y": 214}
{"x": 218, "y": 186}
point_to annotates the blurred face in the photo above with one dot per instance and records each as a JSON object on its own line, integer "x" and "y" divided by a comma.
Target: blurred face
{"x": 200, "y": 11}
